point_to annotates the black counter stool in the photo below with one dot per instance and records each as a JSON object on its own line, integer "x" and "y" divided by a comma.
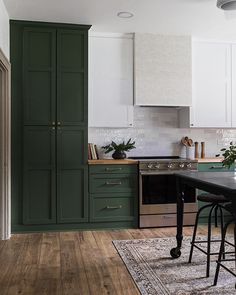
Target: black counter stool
{"x": 214, "y": 204}
{"x": 221, "y": 257}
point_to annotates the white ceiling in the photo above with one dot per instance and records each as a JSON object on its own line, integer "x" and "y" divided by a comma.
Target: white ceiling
{"x": 195, "y": 17}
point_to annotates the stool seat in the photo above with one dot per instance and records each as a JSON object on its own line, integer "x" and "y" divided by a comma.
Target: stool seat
{"x": 211, "y": 198}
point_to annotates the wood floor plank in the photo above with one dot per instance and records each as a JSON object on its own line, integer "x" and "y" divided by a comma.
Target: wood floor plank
{"x": 48, "y": 278}
{"x": 114, "y": 265}
{"x": 74, "y": 280}
{"x": 25, "y": 270}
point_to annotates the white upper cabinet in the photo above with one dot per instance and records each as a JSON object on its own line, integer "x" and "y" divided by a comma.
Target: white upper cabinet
{"x": 163, "y": 74}
{"x": 111, "y": 80}
{"x": 234, "y": 85}
{"x": 211, "y": 86}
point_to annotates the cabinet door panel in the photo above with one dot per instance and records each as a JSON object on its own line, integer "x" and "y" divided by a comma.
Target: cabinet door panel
{"x": 234, "y": 86}
{"x": 72, "y": 196}
{"x": 211, "y": 85}
{"x": 72, "y": 77}
{"x": 72, "y": 180}
{"x": 110, "y": 81}
{"x": 39, "y": 202}
{"x": 39, "y": 64}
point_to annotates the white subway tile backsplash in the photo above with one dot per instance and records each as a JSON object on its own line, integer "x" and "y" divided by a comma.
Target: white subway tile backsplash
{"x": 156, "y": 132}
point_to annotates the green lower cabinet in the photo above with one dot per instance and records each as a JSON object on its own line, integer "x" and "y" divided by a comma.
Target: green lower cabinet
{"x": 210, "y": 167}
{"x": 113, "y": 194}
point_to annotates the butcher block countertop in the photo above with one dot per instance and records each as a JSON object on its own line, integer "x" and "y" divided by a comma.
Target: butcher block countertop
{"x": 112, "y": 162}
{"x": 210, "y": 160}
{"x": 135, "y": 162}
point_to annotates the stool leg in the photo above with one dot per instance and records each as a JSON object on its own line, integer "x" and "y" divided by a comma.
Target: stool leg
{"x": 220, "y": 252}
{"x": 222, "y": 227}
{"x": 195, "y": 231}
{"x": 216, "y": 219}
{"x": 209, "y": 241}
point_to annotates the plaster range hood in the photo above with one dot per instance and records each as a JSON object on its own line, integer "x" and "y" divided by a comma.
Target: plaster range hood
{"x": 163, "y": 70}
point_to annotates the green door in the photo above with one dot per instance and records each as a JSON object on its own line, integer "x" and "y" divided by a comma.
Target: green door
{"x": 39, "y": 196}
{"x": 72, "y": 175}
{"x": 39, "y": 76}
{"x": 72, "y": 86}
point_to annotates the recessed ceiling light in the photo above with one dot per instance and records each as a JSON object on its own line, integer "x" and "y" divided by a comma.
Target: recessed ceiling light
{"x": 125, "y": 14}
{"x": 226, "y": 4}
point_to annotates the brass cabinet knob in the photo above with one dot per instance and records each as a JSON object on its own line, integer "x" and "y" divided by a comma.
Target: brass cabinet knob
{"x": 53, "y": 123}
{"x": 58, "y": 123}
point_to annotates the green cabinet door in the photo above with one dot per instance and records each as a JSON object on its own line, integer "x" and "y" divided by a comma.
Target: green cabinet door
{"x": 39, "y": 199}
{"x": 72, "y": 106}
{"x": 39, "y": 76}
{"x": 72, "y": 175}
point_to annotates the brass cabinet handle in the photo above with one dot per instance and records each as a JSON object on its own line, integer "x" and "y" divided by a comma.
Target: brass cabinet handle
{"x": 113, "y": 183}
{"x": 217, "y": 167}
{"x": 113, "y": 169}
{"x": 114, "y": 207}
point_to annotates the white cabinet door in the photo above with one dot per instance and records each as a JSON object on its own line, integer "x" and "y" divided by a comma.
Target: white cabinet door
{"x": 163, "y": 70}
{"x": 234, "y": 86}
{"x": 211, "y": 85}
{"x": 111, "y": 81}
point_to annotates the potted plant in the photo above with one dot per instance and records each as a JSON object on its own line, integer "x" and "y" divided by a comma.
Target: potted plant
{"x": 229, "y": 155}
{"x": 119, "y": 149}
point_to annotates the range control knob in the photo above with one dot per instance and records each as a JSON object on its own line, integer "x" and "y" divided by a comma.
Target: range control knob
{"x": 150, "y": 166}
{"x": 189, "y": 165}
{"x": 181, "y": 165}
{"x": 170, "y": 165}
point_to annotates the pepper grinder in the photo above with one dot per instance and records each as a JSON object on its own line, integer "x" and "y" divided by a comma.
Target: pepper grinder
{"x": 196, "y": 150}
{"x": 202, "y": 149}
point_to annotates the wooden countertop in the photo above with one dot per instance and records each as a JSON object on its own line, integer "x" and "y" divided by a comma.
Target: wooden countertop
{"x": 113, "y": 162}
{"x": 210, "y": 160}
{"x": 135, "y": 162}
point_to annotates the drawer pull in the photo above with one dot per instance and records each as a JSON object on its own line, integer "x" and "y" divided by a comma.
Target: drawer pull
{"x": 113, "y": 169}
{"x": 114, "y": 207}
{"x": 113, "y": 183}
{"x": 217, "y": 167}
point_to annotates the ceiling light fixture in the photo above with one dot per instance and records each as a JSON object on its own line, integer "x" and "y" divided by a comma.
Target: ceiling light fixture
{"x": 125, "y": 14}
{"x": 226, "y": 4}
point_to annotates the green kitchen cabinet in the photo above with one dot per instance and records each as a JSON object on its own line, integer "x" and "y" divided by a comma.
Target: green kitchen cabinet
{"x": 49, "y": 123}
{"x": 113, "y": 193}
{"x": 39, "y": 194}
{"x": 210, "y": 167}
{"x": 72, "y": 175}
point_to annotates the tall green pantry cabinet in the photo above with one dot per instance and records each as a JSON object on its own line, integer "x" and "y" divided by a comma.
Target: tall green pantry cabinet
{"x": 49, "y": 125}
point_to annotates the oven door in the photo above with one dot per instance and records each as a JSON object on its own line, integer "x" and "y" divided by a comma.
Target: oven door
{"x": 158, "y": 194}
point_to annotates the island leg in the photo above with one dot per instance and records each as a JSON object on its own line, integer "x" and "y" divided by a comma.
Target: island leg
{"x": 175, "y": 252}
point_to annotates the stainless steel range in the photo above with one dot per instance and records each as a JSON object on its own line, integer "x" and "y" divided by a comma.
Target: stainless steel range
{"x": 157, "y": 191}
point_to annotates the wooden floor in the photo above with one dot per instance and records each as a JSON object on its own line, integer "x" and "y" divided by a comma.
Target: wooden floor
{"x": 70, "y": 262}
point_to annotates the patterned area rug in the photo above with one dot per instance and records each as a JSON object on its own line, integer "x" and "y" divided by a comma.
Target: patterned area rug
{"x": 155, "y": 272}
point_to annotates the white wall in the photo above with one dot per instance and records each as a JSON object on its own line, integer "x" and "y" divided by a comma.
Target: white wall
{"x": 4, "y": 29}
{"x": 156, "y": 132}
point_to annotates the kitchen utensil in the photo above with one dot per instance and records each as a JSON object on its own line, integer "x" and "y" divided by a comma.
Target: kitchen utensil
{"x": 196, "y": 149}
{"x": 184, "y": 141}
{"x": 190, "y": 142}
{"x": 202, "y": 149}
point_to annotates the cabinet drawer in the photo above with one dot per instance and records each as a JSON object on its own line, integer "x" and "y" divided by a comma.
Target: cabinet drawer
{"x": 213, "y": 167}
{"x": 112, "y": 183}
{"x": 111, "y": 209}
{"x": 113, "y": 169}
